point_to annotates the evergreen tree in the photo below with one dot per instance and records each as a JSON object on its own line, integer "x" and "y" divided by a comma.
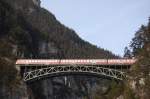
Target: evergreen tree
{"x": 127, "y": 53}
{"x": 141, "y": 45}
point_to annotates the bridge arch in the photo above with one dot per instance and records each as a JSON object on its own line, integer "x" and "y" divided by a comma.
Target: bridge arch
{"x": 73, "y": 69}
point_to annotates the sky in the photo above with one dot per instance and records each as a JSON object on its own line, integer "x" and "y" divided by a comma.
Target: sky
{"x": 109, "y": 24}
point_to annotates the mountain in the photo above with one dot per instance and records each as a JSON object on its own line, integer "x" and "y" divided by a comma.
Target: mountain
{"x": 52, "y": 39}
{"x": 29, "y": 31}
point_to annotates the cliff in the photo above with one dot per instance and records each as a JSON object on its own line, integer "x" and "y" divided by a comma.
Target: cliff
{"x": 137, "y": 84}
{"x": 53, "y": 38}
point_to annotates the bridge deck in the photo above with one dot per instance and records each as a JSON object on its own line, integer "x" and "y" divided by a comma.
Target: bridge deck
{"x": 30, "y": 62}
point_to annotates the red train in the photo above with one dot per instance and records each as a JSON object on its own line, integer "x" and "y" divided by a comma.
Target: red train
{"x": 75, "y": 61}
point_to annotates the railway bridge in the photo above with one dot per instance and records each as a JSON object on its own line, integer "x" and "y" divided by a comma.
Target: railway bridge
{"x": 34, "y": 69}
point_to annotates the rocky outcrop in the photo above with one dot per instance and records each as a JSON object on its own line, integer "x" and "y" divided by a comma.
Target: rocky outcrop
{"x": 139, "y": 87}
{"x": 37, "y": 2}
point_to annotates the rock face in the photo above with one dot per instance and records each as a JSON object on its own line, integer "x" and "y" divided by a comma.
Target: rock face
{"x": 139, "y": 86}
{"x": 37, "y": 2}
{"x": 29, "y": 31}
{"x": 69, "y": 87}
{"x": 18, "y": 93}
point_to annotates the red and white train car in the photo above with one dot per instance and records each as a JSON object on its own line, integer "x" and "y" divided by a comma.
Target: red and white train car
{"x": 75, "y": 61}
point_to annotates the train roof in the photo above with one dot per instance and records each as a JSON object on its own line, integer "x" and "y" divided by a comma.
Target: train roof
{"x": 75, "y": 61}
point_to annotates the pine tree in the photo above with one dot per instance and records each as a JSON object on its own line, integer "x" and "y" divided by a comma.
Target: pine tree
{"x": 127, "y": 53}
